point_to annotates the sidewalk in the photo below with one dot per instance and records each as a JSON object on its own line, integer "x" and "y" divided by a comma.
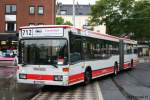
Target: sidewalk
{"x": 144, "y": 59}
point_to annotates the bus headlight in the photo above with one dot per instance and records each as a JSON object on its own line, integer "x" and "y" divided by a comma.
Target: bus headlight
{"x": 58, "y": 77}
{"x": 22, "y": 76}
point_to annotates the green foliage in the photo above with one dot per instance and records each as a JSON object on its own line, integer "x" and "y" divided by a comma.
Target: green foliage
{"x": 111, "y": 13}
{"x": 123, "y": 17}
{"x": 140, "y": 20}
{"x": 60, "y": 21}
{"x": 68, "y": 23}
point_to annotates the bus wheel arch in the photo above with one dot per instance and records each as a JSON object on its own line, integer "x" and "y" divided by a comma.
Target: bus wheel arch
{"x": 116, "y": 68}
{"x": 131, "y": 65}
{"x": 87, "y": 75}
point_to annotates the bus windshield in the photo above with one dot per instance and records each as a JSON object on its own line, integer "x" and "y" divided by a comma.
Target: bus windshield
{"x": 43, "y": 51}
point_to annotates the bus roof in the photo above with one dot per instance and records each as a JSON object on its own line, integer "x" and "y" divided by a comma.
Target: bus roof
{"x": 129, "y": 41}
{"x": 113, "y": 38}
{"x": 48, "y": 26}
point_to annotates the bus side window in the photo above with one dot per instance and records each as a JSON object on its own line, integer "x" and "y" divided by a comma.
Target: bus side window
{"x": 135, "y": 49}
{"x": 75, "y": 48}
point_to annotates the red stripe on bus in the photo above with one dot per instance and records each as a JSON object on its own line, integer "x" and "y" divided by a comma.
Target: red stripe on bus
{"x": 99, "y": 72}
{"x": 80, "y": 76}
{"x": 127, "y": 65}
{"x": 40, "y": 77}
{"x": 76, "y": 78}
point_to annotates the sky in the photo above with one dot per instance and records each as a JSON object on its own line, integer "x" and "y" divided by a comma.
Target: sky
{"x": 79, "y": 1}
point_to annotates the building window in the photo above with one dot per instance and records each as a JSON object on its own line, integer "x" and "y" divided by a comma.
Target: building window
{"x": 31, "y": 10}
{"x": 3, "y": 42}
{"x": 10, "y": 26}
{"x": 80, "y": 13}
{"x": 40, "y": 10}
{"x": 10, "y": 9}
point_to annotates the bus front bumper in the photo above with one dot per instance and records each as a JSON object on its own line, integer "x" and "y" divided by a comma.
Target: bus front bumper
{"x": 63, "y": 82}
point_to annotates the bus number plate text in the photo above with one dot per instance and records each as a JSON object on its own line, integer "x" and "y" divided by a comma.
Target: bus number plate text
{"x": 38, "y": 82}
{"x": 27, "y": 32}
{"x": 39, "y": 69}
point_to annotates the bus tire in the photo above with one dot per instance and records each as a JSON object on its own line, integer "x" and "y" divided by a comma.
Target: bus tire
{"x": 87, "y": 76}
{"x": 115, "y": 68}
{"x": 132, "y": 63}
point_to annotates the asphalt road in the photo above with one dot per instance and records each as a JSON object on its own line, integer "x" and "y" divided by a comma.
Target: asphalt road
{"x": 9, "y": 90}
{"x": 128, "y": 85}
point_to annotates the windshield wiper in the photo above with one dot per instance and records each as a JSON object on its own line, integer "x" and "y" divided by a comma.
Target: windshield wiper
{"x": 55, "y": 66}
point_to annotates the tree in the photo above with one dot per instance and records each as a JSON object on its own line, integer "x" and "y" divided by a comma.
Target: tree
{"x": 140, "y": 20}
{"x": 68, "y": 23}
{"x": 112, "y": 13}
{"x": 60, "y": 21}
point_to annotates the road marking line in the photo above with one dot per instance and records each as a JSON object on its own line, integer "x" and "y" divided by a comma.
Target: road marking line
{"x": 99, "y": 92}
{"x": 35, "y": 97}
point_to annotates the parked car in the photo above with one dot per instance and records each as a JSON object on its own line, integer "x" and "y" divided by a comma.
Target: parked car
{"x": 8, "y": 57}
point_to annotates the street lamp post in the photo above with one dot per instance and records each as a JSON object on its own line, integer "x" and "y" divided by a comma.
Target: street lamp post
{"x": 73, "y": 16}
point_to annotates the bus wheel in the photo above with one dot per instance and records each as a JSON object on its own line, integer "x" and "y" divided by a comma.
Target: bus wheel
{"x": 115, "y": 68}
{"x": 132, "y": 63}
{"x": 87, "y": 76}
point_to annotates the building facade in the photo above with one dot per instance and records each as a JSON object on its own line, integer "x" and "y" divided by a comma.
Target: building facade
{"x": 82, "y": 14}
{"x": 17, "y": 13}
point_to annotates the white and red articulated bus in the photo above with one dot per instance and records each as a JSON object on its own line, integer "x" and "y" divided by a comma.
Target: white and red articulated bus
{"x": 63, "y": 55}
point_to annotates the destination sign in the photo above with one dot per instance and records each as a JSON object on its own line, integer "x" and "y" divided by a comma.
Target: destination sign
{"x": 39, "y": 32}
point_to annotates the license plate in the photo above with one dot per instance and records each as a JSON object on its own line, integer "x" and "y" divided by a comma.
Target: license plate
{"x": 39, "y": 69}
{"x": 38, "y": 82}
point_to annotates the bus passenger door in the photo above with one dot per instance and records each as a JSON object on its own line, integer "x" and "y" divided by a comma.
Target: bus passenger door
{"x": 76, "y": 62}
{"x": 121, "y": 54}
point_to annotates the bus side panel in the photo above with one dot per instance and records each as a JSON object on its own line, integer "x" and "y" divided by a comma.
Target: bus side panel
{"x": 102, "y": 67}
{"x": 99, "y": 68}
{"x": 75, "y": 73}
{"x": 130, "y": 56}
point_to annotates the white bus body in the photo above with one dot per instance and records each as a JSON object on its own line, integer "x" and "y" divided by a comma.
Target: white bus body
{"x": 63, "y": 55}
